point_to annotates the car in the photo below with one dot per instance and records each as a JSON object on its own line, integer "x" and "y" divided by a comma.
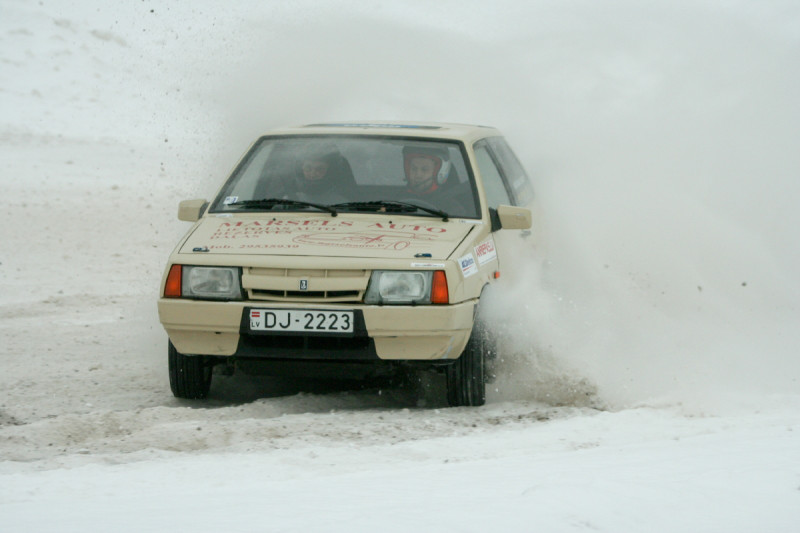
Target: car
{"x": 347, "y": 250}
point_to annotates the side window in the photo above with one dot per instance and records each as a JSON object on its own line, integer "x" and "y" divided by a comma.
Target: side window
{"x": 512, "y": 170}
{"x": 493, "y": 185}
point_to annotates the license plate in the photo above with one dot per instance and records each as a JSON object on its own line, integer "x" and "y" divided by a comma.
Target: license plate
{"x": 301, "y": 320}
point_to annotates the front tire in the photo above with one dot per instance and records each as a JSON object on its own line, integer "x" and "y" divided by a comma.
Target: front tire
{"x": 189, "y": 375}
{"x": 466, "y": 377}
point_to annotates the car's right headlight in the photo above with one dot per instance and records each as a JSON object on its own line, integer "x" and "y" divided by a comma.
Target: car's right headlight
{"x": 407, "y": 287}
{"x": 203, "y": 283}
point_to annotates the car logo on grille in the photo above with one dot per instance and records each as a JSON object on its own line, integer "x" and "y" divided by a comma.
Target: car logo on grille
{"x": 303, "y": 284}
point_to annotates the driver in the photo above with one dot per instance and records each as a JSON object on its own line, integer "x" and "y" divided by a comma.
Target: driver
{"x": 426, "y": 169}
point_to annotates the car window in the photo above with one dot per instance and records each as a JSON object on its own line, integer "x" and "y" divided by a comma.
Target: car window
{"x": 245, "y": 187}
{"x": 350, "y": 169}
{"x": 495, "y": 189}
{"x": 513, "y": 171}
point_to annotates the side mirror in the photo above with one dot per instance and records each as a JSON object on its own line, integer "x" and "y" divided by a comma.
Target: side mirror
{"x": 511, "y": 217}
{"x": 191, "y": 210}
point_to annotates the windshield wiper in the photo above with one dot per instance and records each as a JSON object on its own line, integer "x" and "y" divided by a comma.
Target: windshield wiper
{"x": 272, "y": 202}
{"x": 393, "y": 205}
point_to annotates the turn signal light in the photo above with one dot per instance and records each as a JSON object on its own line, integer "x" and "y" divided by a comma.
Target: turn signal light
{"x": 439, "y": 294}
{"x": 172, "y": 289}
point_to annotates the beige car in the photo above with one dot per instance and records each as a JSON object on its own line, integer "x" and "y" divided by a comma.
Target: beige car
{"x": 346, "y": 250}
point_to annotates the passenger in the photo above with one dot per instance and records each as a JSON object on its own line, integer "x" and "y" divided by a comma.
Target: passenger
{"x": 321, "y": 175}
{"x": 313, "y": 173}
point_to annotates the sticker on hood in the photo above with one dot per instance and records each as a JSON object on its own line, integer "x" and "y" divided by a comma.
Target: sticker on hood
{"x": 427, "y": 265}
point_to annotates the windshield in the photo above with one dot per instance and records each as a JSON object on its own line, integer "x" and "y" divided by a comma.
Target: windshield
{"x": 354, "y": 174}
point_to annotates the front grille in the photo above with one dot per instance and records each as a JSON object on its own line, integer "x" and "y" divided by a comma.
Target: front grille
{"x": 283, "y": 284}
{"x": 323, "y": 347}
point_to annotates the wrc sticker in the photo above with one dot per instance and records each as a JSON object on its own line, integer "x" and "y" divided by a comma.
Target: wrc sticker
{"x": 485, "y": 252}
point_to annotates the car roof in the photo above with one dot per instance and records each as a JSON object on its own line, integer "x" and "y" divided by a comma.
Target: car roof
{"x": 443, "y": 130}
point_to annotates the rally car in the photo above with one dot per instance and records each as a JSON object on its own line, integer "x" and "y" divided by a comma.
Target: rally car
{"x": 346, "y": 250}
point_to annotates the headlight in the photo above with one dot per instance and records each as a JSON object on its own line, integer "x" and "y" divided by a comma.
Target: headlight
{"x": 398, "y": 287}
{"x": 406, "y": 287}
{"x": 214, "y": 283}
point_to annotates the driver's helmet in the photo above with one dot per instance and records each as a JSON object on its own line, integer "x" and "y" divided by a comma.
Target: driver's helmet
{"x": 435, "y": 154}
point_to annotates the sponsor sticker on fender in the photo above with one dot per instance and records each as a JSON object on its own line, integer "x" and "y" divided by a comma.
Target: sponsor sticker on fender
{"x": 468, "y": 266}
{"x": 485, "y": 252}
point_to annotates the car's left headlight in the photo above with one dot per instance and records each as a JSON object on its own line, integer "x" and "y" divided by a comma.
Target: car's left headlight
{"x": 406, "y": 287}
{"x": 204, "y": 283}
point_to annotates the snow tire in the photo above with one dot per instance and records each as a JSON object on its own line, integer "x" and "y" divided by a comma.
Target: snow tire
{"x": 466, "y": 377}
{"x": 189, "y": 375}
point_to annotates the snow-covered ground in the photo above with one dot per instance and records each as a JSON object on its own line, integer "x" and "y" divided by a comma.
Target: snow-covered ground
{"x": 652, "y": 354}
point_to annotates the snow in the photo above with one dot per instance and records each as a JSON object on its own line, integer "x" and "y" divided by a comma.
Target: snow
{"x": 650, "y": 372}
{"x": 578, "y": 472}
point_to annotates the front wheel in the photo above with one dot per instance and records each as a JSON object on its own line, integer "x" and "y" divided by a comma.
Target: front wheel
{"x": 466, "y": 377}
{"x": 189, "y": 375}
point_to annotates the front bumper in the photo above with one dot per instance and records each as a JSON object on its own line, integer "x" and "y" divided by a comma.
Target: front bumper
{"x": 421, "y": 333}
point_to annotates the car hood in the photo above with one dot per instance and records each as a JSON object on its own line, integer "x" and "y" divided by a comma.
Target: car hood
{"x": 378, "y": 236}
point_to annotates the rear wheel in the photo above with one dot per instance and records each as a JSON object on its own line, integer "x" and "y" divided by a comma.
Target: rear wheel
{"x": 189, "y": 375}
{"x": 466, "y": 377}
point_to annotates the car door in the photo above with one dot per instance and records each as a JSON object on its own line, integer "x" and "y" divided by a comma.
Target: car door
{"x": 504, "y": 182}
